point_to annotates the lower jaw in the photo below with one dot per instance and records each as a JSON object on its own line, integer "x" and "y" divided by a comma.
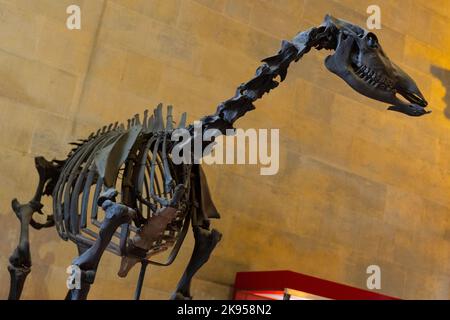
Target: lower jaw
{"x": 411, "y": 109}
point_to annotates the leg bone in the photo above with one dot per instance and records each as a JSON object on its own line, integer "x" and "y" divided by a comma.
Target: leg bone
{"x": 116, "y": 215}
{"x": 205, "y": 242}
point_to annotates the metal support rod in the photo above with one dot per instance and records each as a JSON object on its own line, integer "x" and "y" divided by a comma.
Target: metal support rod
{"x": 137, "y": 293}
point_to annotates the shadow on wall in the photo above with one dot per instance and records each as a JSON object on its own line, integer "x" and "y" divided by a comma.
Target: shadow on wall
{"x": 444, "y": 76}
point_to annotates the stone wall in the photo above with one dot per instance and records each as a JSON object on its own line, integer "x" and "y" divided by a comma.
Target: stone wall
{"x": 357, "y": 185}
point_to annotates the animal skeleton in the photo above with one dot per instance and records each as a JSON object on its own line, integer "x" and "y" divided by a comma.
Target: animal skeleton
{"x": 159, "y": 199}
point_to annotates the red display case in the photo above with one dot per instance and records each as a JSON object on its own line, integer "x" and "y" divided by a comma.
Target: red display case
{"x": 289, "y": 285}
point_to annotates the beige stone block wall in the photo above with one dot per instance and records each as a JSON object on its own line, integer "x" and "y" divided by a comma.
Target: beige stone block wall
{"x": 357, "y": 185}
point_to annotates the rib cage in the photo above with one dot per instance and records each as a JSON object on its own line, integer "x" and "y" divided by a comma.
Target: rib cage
{"x": 145, "y": 180}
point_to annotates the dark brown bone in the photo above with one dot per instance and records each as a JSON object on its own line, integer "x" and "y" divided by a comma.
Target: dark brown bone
{"x": 20, "y": 260}
{"x": 131, "y": 155}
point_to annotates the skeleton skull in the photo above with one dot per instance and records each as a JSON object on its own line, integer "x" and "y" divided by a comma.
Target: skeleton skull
{"x": 361, "y": 62}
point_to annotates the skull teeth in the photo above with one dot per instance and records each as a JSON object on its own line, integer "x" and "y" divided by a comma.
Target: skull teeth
{"x": 374, "y": 79}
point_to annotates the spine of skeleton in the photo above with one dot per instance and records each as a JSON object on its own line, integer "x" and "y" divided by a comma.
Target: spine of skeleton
{"x": 266, "y": 78}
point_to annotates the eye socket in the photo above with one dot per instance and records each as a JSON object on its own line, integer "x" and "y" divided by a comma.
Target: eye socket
{"x": 372, "y": 40}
